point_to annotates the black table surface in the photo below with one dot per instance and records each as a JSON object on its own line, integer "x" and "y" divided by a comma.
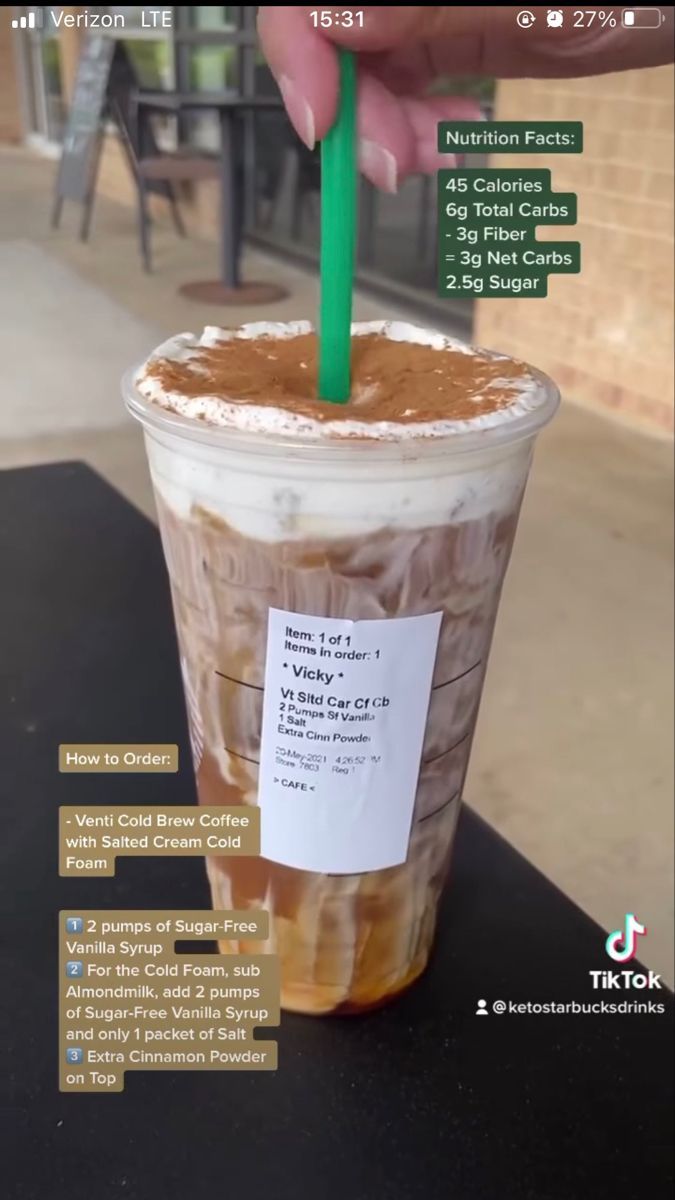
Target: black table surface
{"x": 419, "y": 1100}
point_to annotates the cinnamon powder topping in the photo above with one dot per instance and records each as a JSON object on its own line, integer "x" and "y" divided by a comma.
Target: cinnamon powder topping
{"x": 395, "y": 381}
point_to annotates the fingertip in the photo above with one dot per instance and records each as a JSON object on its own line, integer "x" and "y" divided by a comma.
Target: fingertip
{"x": 386, "y": 141}
{"x": 299, "y": 111}
{"x": 429, "y": 160}
{"x": 305, "y": 67}
{"x": 424, "y": 117}
{"x": 378, "y": 165}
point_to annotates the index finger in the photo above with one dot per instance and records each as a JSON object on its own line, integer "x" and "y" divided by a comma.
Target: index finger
{"x": 304, "y": 65}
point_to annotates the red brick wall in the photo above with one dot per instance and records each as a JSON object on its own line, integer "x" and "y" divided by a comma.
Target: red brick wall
{"x": 606, "y": 335}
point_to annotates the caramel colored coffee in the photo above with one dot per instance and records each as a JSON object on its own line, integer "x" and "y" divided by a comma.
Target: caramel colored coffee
{"x": 400, "y": 504}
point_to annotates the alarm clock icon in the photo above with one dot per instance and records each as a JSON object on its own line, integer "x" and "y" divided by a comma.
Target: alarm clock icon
{"x": 555, "y": 18}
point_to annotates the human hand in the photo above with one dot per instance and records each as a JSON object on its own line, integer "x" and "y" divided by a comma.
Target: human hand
{"x": 402, "y": 50}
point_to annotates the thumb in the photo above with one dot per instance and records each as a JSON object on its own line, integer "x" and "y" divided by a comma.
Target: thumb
{"x": 503, "y": 48}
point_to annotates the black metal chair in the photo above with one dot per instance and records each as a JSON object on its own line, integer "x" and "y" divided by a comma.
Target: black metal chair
{"x": 155, "y": 171}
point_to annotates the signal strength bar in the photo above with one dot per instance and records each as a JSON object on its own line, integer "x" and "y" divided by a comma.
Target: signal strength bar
{"x": 28, "y": 22}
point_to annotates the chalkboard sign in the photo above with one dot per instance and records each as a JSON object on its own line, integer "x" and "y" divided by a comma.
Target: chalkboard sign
{"x": 81, "y": 143}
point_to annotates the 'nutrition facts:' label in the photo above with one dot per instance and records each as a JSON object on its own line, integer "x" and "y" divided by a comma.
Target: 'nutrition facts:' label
{"x": 488, "y": 218}
{"x": 344, "y": 714}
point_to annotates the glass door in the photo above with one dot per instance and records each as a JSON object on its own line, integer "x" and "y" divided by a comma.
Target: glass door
{"x": 209, "y": 46}
{"x": 45, "y": 105}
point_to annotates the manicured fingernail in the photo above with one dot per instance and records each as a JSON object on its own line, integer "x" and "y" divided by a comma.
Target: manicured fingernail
{"x": 379, "y": 165}
{"x": 302, "y": 117}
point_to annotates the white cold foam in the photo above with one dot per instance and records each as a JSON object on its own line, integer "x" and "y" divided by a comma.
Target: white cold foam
{"x": 279, "y": 499}
{"x": 276, "y": 498}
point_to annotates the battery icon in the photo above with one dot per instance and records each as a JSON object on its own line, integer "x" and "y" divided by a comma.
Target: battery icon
{"x": 642, "y": 18}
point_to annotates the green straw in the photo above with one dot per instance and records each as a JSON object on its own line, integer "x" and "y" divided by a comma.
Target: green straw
{"x": 338, "y": 233}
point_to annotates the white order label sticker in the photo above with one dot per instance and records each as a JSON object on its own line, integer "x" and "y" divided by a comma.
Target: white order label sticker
{"x": 344, "y": 713}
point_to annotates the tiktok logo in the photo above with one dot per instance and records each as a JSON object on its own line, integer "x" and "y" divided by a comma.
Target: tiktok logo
{"x": 622, "y": 944}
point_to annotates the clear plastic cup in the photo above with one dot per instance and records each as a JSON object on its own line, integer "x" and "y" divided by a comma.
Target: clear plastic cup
{"x": 343, "y": 528}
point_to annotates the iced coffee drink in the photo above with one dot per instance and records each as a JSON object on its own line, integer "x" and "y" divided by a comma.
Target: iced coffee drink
{"x": 335, "y": 573}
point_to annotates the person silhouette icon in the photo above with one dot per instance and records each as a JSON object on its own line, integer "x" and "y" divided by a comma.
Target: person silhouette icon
{"x": 482, "y": 1011}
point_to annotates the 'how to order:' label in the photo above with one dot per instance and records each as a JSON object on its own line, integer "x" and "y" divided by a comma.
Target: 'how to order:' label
{"x": 344, "y": 713}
